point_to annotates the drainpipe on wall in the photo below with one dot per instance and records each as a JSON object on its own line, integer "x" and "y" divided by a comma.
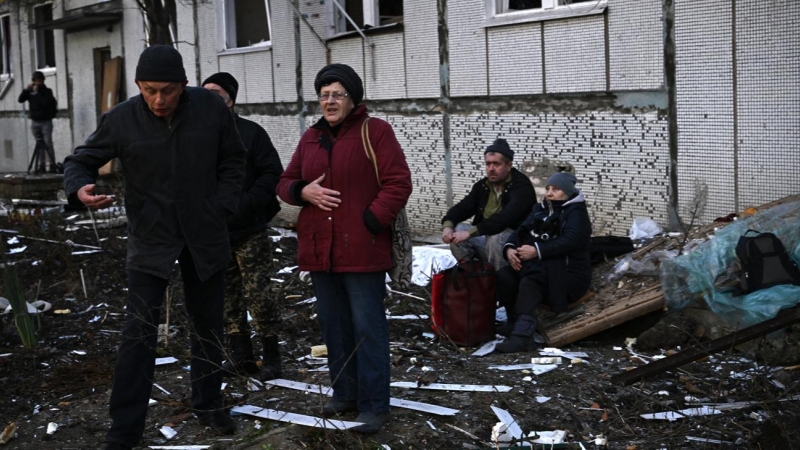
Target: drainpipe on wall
{"x": 298, "y": 66}
{"x": 672, "y": 112}
{"x": 22, "y": 78}
{"x": 196, "y": 43}
{"x": 444, "y": 99}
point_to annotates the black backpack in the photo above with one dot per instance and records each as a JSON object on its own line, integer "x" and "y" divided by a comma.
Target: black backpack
{"x": 765, "y": 262}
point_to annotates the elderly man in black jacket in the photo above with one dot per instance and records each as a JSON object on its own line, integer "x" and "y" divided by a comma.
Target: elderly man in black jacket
{"x": 183, "y": 163}
{"x": 249, "y": 274}
{"x": 498, "y": 204}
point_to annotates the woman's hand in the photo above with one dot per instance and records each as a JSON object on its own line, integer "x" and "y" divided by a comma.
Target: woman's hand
{"x": 513, "y": 258}
{"x": 527, "y": 253}
{"x": 323, "y": 198}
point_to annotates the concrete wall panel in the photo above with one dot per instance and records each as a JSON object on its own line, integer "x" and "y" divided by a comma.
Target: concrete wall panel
{"x": 386, "y": 77}
{"x": 636, "y": 44}
{"x": 575, "y": 55}
{"x": 257, "y": 77}
{"x": 422, "y": 48}
{"x": 468, "y": 70}
{"x": 515, "y": 60}
{"x": 704, "y": 96}
{"x": 284, "y": 62}
{"x": 768, "y": 101}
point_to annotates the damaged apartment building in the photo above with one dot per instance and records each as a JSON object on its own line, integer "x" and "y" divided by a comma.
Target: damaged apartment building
{"x": 646, "y": 99}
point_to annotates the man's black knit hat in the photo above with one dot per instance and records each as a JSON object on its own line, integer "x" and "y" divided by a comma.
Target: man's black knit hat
{"x": 160, "y": 63}
{"x": 500, "y": 145}
{"x": 343, "y": 74}
{"x": 225, "y": 81}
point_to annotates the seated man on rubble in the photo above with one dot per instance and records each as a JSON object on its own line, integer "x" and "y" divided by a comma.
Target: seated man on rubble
{"x": 549, "y": 261}
{"x": 498, "y": 204}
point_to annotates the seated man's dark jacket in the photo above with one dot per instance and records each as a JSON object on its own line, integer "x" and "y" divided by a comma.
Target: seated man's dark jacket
{"x": 183, "y": 179}
{"x": 518, "y": 198}
{"x": 563, "y": 259}
{"x": 259, "y": 201}
{"x": 39, "y": 103}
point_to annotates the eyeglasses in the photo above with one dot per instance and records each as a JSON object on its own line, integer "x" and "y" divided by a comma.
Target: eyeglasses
{"x": 337, "y": 96}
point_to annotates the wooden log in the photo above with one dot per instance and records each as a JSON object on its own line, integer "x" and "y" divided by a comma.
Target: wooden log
{"x": 784, "y": 318}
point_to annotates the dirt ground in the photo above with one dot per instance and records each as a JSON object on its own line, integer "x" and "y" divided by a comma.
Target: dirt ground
{"x": 67, "y": 379}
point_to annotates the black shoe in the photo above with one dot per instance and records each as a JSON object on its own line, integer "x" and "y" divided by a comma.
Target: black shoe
{"x": 336, "y": 407}
{"x": 219, "y": 421}
{"x": 505, "y": 329}
{"x": 517, "y": 344}
{"x": 116, "y": 446}
{"x": 271, "y": 367}
{"x": 241, "y": 361}
{"x": 372, "y": 422}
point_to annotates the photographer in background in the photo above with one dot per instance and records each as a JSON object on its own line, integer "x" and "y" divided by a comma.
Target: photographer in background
{"x": 42, "y": 109}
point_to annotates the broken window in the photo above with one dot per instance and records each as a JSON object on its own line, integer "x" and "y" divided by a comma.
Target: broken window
{"x": 365, "y": 13}
{"x": 505, "y": 6}
{"x": 5, "y": 46}
{"x": 45, "y": 41}
{"x": 502, "y": 11}
{"x": 247, "y": 23}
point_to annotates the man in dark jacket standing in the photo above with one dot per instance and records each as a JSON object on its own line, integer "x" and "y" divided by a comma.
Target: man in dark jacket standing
{"x": 183, "y": 163}
{"x": 498, "y": 204}
{"x": 248, "y": 278}
{"x": 41, "y": 109}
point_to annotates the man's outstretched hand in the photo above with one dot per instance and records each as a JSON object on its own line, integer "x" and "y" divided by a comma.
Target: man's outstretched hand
{"x": 86, "y": 196}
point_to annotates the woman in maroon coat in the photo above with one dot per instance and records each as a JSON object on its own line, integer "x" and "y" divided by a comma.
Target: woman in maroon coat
{"x": 344, "y": 239}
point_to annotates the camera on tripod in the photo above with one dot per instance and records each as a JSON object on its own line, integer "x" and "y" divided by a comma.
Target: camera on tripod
{"x": 41, "y": 153}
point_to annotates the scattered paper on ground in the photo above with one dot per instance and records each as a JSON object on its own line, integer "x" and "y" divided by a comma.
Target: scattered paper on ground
{"x": 675, "y": 415}
{"x": 396, "y": 402}
{"x": 453, "y": 387}
{"x": 298, "y": 419}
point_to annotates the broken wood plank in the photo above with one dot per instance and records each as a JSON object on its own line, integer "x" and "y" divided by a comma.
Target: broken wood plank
{"x": 597, "y": 318}
{"x": 784, "y": 318}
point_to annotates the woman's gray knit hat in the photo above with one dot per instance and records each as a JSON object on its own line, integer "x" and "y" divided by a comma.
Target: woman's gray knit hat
{"x": 564, "y": 181}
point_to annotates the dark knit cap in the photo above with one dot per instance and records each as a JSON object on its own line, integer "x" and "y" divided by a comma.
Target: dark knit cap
{"x": 564, "y": 181}
{"x": 343, "y": 74}
{"x": 225, "y": 81}
{"x": 500, "y": 145}
{"x": 160, "y": 63}
{"x": 37, "y": 76}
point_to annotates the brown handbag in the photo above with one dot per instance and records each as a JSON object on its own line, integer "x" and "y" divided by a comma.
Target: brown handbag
{"x": 402, "y": 251}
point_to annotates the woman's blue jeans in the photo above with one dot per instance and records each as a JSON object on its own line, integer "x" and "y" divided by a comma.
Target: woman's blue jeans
{"x": 353, "y": 322}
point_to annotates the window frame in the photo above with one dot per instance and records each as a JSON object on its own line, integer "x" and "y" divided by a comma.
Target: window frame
{"x": 43, "y": 34}
{"x": 554, "y": 12}
{"x": 5, "y": 47}
{"x": 226, "y": 29}
{"x": 337, "y": 22}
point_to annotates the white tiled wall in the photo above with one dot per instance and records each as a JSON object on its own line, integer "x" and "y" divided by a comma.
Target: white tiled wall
{"x": 515, "y": 59}
{"x": 422, "y": 48}
{"x": 703, "y": 65}
{"x": 574, "y": 57}
{"x": 636, "y": 44}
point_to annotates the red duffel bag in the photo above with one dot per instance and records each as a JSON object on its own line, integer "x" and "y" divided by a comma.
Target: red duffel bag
{"x": 463, "y": 303}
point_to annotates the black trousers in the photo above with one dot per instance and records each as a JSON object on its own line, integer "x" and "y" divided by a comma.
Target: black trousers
{"x": 133, "y": 373}
{"x": 520, "y": 295}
